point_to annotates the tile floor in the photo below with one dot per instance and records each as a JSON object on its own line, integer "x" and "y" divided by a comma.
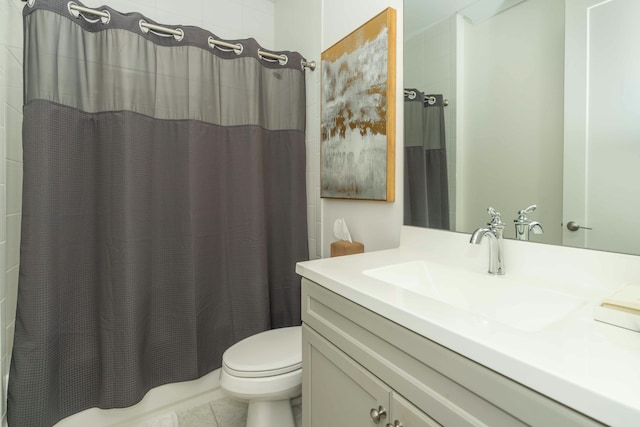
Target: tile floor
{"x": 222, "y": 412}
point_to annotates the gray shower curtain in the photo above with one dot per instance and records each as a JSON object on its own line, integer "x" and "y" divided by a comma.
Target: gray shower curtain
{"x": 426, "y": 191}
{"x": 164, "y": 209}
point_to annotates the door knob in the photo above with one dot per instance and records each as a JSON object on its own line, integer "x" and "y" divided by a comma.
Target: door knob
{"x": 378, "y": 414}
{"x": 574, "y": 226}
{"x": 395, "y": 424}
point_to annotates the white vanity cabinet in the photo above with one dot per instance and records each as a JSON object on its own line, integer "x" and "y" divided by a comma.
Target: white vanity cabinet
{"x": 355, "y": 361}
{"x": 346, "y": 394}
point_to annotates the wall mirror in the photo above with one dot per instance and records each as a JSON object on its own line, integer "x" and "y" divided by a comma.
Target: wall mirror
{"x": 542, "y": 108}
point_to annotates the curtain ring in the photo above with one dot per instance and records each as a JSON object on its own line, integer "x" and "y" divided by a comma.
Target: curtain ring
{"x": 105, "y": 19}
{"x": 272, "y": 57}
{"x": 180, "y": 36}
{"x": 103, "y": 16}
{"x": 146, "y": 28}
{"x": 237, "y": 48}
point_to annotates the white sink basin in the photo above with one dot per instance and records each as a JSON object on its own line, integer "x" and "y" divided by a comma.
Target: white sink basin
{"x": 498, "y": 298}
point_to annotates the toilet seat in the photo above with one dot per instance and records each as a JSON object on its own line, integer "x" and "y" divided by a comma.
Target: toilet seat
{"x": 270, "y": 353}
{"x": 266, "y": 370}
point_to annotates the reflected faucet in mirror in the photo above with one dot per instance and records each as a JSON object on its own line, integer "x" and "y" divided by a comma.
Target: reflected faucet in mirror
{"x": 494, "y": 230}
{"x": 525, "y": 226}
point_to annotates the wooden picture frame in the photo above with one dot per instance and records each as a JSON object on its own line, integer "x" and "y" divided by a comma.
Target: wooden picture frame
{"x": 357, "y": 146}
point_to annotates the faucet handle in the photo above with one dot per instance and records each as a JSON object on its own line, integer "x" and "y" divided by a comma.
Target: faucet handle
{"x": 496, "y": 218}
{"x": 522, "y": 214}
{"x": 527, "y": 210}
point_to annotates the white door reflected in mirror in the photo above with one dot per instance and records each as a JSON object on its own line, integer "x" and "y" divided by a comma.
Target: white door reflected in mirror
{"x": 602, "y": 125}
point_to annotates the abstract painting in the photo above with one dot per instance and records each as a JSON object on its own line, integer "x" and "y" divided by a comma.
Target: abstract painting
{"x": 358, "y": 113}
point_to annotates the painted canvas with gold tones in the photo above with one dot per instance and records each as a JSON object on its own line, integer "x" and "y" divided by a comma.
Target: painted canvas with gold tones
{"x": 358, "y": 113}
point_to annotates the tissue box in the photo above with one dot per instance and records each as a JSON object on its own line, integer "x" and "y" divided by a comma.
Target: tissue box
{"x": 342, "y": 247}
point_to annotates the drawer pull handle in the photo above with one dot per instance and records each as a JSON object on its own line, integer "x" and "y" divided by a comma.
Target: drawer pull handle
{"x": 378, "y": 414}
{"x": 396, "y": 423}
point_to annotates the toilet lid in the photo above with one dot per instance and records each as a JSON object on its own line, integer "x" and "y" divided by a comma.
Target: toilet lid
{"x": 268, "y": 353}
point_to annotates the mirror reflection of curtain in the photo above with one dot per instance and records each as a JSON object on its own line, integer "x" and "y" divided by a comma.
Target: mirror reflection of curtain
{"x": 426, "y": 194}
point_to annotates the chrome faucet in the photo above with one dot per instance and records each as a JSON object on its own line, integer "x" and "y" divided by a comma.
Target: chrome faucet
{"x": 524, "y": 226}
{"x": 494, "y": 230}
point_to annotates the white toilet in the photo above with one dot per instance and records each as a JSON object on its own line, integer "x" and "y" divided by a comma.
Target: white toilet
{"x": 266, "y": 370}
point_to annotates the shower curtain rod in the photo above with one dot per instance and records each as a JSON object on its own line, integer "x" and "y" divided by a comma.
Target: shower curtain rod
{"x": 411, "y": 94}
{"x": 178, "y": 34}
{"x": 238, "y": 47}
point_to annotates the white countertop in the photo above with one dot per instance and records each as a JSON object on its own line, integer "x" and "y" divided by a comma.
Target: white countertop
{"x": 590, "y": 366}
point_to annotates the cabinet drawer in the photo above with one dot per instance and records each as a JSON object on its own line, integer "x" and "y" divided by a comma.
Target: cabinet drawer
{"x": 453, "y": 390}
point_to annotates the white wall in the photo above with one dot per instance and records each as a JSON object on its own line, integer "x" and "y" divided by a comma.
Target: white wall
{"x": 294, "y": 30}
{"x": 3, "y": 285}
{"x": 376, "y": 224}
{"x": 227, "y": 19}
{"x": 10, "y": 176}
{"x": 513, "y": 117}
